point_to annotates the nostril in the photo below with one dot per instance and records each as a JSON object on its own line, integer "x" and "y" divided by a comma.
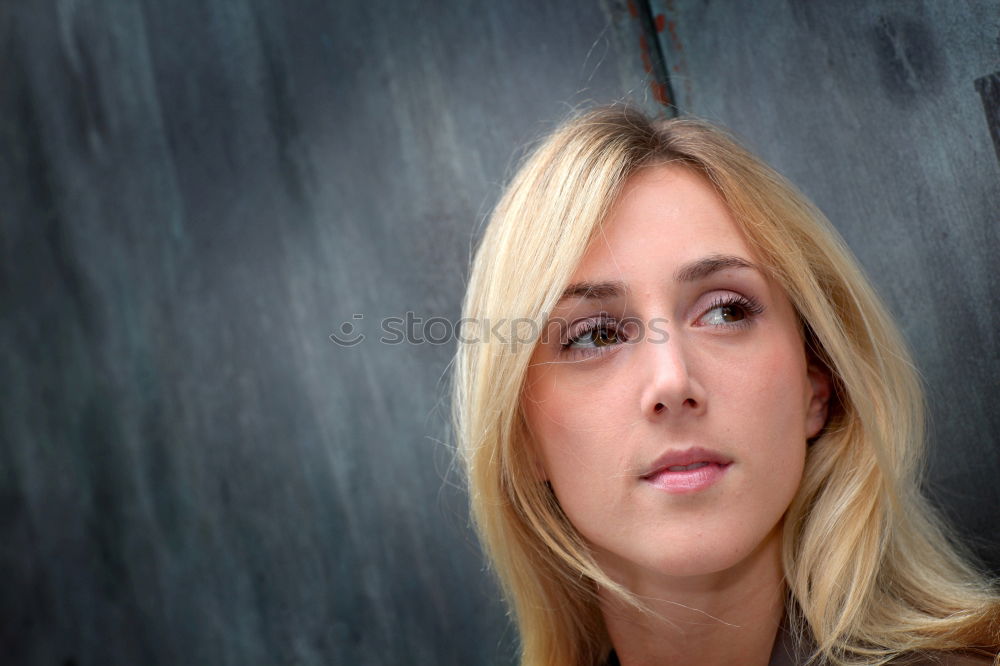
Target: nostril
{"x": 659, "y": 407}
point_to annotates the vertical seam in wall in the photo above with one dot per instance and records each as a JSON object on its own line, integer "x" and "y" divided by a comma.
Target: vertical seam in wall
{"x": 647, "y": 24}
{"x": 988, "y": 88}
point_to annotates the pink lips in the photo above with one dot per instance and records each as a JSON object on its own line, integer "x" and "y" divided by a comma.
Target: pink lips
{"x": 687, "y": 471}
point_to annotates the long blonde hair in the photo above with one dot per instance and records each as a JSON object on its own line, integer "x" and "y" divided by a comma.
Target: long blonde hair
{"x": 871, "y": 571}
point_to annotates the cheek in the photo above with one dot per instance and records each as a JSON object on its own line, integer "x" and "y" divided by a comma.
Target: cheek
{"x": 579, "y": 432}
{"x": 768, "y": 390}
{"x": 768, "y": 402}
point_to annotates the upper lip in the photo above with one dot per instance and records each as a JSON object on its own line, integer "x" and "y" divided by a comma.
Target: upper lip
{"x": 685, "y": 457}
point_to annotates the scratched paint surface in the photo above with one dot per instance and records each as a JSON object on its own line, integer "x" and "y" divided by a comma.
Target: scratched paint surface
{"x": 195, "y": 195}
{"x": 989, "y": 91}
{"x": 872, "y": 108}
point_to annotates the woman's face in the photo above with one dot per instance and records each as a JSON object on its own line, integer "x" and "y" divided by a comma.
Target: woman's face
{"x": 674, "y": 440}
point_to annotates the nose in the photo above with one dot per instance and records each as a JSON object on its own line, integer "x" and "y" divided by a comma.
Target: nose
{"x": 670, "y": 384}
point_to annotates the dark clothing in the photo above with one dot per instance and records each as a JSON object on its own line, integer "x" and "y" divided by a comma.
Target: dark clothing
{"x": 784, "y": 654}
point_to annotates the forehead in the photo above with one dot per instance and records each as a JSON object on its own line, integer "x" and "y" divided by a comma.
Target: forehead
{"x": 665, "y": 216}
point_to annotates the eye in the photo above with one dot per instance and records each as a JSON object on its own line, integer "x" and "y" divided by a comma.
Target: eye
{"x": 593, "y": 336}
{"x": 731, "y": 312}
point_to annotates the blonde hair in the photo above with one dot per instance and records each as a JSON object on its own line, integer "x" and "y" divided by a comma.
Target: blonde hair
{"x": 871, "y": 571}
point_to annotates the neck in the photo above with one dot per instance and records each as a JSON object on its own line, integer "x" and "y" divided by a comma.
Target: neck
{"x": 727, "y": 617}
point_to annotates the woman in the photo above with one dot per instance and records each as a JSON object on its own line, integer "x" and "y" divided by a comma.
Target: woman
{"x": 692, "y": 433}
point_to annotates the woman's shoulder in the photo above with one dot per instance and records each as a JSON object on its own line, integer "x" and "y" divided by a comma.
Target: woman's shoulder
{"x": 787, "y": 652}
{"x": 949, "y": 658}
{"x": 936, "y": 658}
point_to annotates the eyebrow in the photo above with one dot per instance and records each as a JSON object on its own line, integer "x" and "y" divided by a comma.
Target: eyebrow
{"x": 702, "y": 268}
{"x": 698, "y": 269}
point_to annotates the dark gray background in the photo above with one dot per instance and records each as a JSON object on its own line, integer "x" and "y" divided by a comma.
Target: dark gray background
{"x": 872, "y": 109}
{"x": 194, "y": 195}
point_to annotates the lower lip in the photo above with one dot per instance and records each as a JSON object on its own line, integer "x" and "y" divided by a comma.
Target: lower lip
{"x": 688, "y": 481}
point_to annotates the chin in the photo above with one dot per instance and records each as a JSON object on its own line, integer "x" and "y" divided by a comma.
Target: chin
{"x": 693, "y": 558}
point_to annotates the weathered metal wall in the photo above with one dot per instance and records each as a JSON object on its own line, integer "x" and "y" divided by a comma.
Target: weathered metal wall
{"x": 194, "y": 196}
{"x": 874, "y": 110}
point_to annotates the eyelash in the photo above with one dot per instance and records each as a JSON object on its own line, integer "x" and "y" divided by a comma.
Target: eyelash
{"x": 751, "y": 308}
{"x": 588, "y": 327}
